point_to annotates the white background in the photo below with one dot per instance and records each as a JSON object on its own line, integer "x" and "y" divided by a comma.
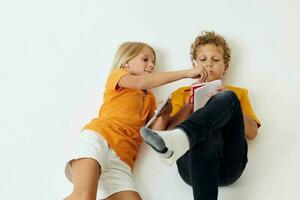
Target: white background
{"x": 55, "y": 57}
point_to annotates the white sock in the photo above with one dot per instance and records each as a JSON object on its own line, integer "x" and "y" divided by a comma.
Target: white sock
{"x": 177, "y": 141}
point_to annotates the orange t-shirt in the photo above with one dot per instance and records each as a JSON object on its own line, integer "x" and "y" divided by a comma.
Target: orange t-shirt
{"x": 123, "y": 112}
{"x": 181, "y": 96}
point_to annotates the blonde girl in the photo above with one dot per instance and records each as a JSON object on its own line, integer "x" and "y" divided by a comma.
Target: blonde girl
{"x": 101, "y": 165}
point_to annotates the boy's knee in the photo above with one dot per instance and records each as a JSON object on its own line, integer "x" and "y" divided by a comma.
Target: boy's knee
{"x": 229, "y": 95}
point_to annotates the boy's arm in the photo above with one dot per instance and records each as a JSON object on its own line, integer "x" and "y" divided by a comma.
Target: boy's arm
{"x": 162, "y": 120}
{"x": 160, "y": 123}
{"x": 180, "y": 116}
{"x": 250, "y": 127}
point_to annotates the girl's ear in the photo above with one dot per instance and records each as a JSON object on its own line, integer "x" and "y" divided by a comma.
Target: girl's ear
{"x": 125, "y": 64}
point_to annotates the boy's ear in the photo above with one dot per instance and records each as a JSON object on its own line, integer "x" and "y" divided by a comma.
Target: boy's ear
{"x": 194, "y": 63}
{"x": 226, "y": 68}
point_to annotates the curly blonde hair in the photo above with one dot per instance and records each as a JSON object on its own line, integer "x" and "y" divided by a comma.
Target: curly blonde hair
{"x": 210, "y": 37}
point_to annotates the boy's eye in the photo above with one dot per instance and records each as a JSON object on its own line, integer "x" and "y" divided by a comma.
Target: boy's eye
{"x": 145, "y": 59}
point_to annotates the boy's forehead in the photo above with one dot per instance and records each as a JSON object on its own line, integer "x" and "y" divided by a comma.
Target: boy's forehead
{"x": 209, "y": 48}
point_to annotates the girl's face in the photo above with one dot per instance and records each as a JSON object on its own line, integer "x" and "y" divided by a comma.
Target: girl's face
{"x": 211, "y": 58}
{"x": 142, "y": 63}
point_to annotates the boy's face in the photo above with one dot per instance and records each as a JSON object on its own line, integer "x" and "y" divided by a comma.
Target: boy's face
{"x": 211, "y": 57}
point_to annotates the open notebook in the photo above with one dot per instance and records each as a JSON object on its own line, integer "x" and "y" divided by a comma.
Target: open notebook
{"x": 201, "y": 92}
{"x": 200, "y": 96}
{"x": 157, "y": 111}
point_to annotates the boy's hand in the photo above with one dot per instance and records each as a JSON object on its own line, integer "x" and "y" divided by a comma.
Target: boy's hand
{"x": 188, "y": 106}
{"x": 220, "y": 89}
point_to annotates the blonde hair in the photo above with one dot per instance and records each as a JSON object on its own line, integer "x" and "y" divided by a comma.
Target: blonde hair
{"x": 207, "y": 37}
{"x": 127, "y": 51}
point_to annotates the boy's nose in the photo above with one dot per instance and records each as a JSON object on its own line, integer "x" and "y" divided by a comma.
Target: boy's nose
{"x": 208, "y": 65}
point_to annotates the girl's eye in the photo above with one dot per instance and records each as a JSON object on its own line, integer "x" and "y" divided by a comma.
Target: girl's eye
{"x": 145, "y": 59}
{"x": 216, "y": 60}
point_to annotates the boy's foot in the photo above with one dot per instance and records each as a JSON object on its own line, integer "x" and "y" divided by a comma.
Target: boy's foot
{"x": 156, "y": 142}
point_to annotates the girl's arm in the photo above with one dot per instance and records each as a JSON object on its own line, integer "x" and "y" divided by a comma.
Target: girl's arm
{"x": 152, "y": 80}
{"x": 250, "y": 127}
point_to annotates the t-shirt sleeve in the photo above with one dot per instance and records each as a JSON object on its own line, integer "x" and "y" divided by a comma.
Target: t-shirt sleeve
{"x": 178, "y": 100}
{"x": 153, "y": 105}
{"x": 114, "y": 78}
{"x": 247, "y": 108}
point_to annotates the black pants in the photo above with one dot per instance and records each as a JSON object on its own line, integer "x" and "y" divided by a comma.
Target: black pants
{"x": 218, "y": 149}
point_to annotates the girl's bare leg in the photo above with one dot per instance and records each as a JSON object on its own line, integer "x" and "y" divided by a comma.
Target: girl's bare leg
{"x": 128, "y": 195}
{"x": 85, "y": 174}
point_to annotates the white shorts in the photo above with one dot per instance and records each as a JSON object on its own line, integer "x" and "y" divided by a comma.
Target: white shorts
{"x": 115, "y": 176}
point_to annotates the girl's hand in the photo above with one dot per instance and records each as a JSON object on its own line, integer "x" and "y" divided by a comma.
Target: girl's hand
{"x": 167, "y": 110}
{"x": 220, "y": 89}
{"x": 199, "y": 73}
